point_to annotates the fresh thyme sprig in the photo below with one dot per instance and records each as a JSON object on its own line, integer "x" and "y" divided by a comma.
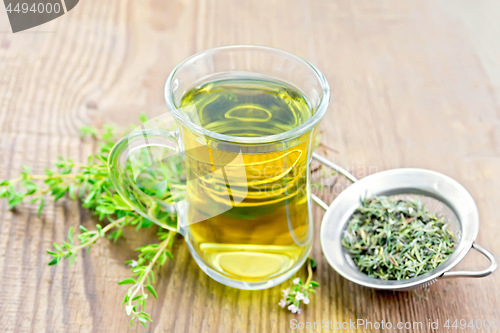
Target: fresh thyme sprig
{"x": 86, "y": 237}
{"x": 395, "y": 239}
{"x": 142, "y": 270}
{"x": 299, "y": 292}
{"x": 90, "y": 184}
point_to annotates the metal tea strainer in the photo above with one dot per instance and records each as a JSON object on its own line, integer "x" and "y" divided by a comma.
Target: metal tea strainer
{"x": 439, "y": 193}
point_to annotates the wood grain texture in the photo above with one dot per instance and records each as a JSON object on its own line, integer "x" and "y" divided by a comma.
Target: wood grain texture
{"x": 414, "y": 84}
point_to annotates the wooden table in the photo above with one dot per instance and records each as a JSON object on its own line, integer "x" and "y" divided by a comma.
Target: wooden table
{"x": 414, "y": 84}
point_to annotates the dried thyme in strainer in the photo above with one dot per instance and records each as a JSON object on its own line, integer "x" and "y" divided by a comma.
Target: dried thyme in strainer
{"x": 394, "y": 239}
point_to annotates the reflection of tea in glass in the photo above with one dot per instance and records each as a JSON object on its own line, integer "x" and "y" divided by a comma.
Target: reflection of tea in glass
{"x": 266, "y": 229}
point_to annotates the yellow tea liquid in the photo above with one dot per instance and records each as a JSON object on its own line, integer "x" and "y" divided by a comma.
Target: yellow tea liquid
{"x": 263, "y": 229}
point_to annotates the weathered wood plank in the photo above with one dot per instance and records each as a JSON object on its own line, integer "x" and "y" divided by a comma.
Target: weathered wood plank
{"x": 413, "y": 84}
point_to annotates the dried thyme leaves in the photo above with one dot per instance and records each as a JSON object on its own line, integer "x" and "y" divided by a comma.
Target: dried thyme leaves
{"x": 394, "y": 239}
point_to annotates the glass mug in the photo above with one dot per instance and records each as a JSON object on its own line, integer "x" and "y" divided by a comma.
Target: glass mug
{"x": 233, "y": 176}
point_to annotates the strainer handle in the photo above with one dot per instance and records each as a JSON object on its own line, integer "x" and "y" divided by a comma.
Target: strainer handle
{"x": 483, "y": 273}
{"x": 335, "y": 167}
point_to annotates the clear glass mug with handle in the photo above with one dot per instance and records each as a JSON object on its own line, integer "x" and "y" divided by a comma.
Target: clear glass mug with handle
{"x": 233, "y": 176}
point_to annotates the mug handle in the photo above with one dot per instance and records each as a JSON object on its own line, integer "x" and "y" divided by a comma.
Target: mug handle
{"x": 335, "y": 167}
{"x": 133, "y": 159}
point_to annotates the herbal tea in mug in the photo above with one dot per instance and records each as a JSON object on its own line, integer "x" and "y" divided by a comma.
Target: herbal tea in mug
{"x": 247, "y": 117}
{"x": 267, "y": 232}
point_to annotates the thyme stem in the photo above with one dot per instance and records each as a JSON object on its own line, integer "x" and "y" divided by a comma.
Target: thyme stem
{"x": 98, "y": 235}
{"x": 140, "y": 284}
{"x": 309, "y": 272}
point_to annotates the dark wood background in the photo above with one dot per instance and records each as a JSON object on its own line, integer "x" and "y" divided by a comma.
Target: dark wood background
{"x": 414, "y": 84}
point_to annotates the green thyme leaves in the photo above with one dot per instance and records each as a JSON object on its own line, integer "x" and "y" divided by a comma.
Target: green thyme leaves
{"x": 90, "y": 184}
{"x": 394, "y": 239}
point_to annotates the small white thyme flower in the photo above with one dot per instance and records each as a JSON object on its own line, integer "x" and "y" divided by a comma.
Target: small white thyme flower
{"x": 134, "y": 263}
{"x": 297, "y": 293}
{"x": 282, "y": 303}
